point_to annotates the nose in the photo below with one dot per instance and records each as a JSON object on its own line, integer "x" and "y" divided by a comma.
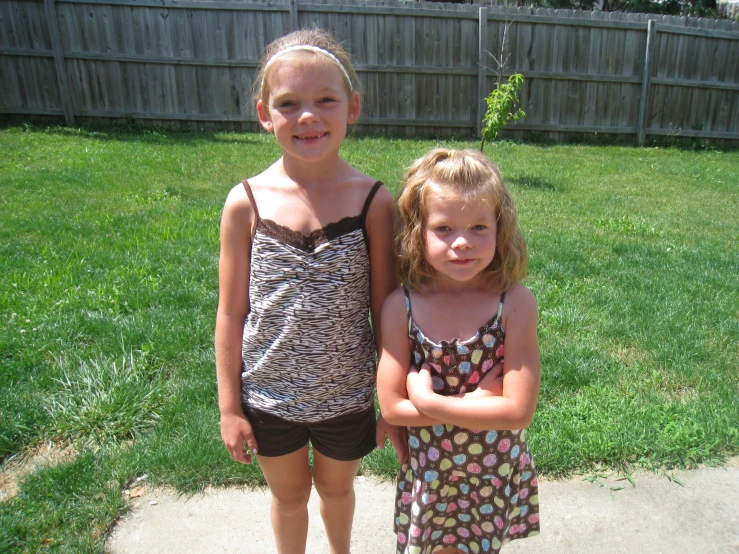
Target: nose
{"x": 461, "y": 242}
{"x": 307, "y": 115}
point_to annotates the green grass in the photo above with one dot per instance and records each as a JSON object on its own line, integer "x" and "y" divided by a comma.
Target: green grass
{"x": 108, "y": 291}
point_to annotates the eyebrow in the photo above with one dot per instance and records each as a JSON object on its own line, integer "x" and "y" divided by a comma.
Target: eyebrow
{"x": 325, "y": 90}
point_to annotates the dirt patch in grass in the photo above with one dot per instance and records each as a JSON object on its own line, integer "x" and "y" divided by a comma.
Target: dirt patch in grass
{"x": 42, "y": 455}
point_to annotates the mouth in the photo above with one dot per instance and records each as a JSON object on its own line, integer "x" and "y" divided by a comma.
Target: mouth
{"x": 308, "y": 137}
{"x": 462, "y": 261}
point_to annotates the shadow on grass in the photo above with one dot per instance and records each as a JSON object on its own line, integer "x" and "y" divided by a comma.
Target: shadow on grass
{"x": 531, "y": 182}
{"x": 121, "y": 132}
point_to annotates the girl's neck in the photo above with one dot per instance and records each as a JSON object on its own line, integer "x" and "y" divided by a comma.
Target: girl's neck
{"x": 306, "y": 174}
{"x": 451, "y": 287}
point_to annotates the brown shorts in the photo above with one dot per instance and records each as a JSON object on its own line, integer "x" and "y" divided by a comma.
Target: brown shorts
{"x": 347, "y": 437}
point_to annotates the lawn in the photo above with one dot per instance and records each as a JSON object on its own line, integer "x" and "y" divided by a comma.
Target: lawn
{"x": 108, "y": 291}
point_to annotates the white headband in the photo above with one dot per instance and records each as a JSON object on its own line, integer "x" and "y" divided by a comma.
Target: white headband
{"x": 309, "y": 48}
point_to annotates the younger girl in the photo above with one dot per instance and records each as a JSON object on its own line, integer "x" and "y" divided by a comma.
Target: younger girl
{"x": 306, "y": 256}
{"x": 471, "y": 484}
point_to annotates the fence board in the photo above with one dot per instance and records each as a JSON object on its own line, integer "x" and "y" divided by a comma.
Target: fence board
{"x": 703, "y": 99}
{"x": 167, "y": 60}
{"x": 7, "y": 37}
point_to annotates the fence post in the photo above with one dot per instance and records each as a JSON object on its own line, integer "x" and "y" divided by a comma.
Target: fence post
{"x": 61, "y": 67}
{"x": 482, "y": 72}
{"x": 641, "y": 124}
{"x": 294, "y": 14}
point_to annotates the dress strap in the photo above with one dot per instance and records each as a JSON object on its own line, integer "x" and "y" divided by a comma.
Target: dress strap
{"x": 368, "y": 202}
{"x": 365, "y": 209}
{"x": 250, "y": 194}
{"x": 499, "y": 315}
{"x": 408, "y": 308}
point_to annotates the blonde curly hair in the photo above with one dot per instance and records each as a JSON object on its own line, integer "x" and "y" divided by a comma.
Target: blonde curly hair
{"x": 470, "y": 176}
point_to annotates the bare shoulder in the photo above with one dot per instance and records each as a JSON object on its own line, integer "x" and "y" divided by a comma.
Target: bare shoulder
{"x": 353, "y": 176}
{"x": 383, "y": 194}
{"x": 394, "y": 304}
{"x": 380, "y": 221}
{"x": 268, "y": 178}
{"x": 363, "y": 183}
{"x": 238, "y": 210}
{"x": 237, "y": 193}
{"x": 359, "y": 181}
{"x": 382, "y": 204}
{"x": 520, "y": 305}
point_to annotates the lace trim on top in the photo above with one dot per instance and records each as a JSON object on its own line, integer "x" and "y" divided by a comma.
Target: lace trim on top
{"x": 493, "y": 324}
{"x": 309, "y": 242}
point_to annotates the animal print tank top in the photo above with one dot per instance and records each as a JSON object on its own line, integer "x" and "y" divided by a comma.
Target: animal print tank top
{"x": 308, "y": 350}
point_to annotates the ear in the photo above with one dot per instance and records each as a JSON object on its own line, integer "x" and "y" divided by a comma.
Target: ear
{"x": 264, "y": 119}
{"x": 355, "y": 106}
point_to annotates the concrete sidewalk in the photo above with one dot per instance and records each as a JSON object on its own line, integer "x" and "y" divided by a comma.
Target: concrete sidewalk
{"x": 657, "y": 516}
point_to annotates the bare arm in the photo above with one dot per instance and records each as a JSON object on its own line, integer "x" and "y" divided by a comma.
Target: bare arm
{"x": 380, "y": 231}
{"x": 394, "y": 364}
{"x": 233, "y": 307}
{"x": 514, "y": 409}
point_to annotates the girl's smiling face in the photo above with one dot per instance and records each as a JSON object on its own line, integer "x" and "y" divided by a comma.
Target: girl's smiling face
{"x": 460, "y": 237}
{"x": 308, "y": 106}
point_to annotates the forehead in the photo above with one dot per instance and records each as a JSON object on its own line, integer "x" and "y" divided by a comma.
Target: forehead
{"x": 298, "y": 71}
{"x": 439, "y": 197}
{"x": 454, "y": 206}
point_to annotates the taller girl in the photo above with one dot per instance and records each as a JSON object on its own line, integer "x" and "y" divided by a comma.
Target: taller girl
{"x": 306, "y": 257}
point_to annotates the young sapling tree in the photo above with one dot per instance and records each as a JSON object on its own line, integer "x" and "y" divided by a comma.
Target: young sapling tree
{"x": 504, "y": 97}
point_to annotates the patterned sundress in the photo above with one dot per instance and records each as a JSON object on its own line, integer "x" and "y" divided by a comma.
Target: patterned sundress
{"x": 465, "y": 489}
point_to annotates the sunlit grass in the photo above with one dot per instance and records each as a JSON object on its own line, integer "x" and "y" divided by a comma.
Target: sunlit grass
{"x": 104, "y": 401}
{"x": 108, "y": 292}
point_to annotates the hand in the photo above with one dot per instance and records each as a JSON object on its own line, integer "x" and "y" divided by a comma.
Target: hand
{"x": 397, "y": 435}
{"x": 490, "y": 385}
{"x": 238, "y": 437}
{"x": 419, "y": 383}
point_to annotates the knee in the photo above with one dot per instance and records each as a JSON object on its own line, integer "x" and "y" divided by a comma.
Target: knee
{"x": 291, "y": 501}
{"x": 334, "y": 493}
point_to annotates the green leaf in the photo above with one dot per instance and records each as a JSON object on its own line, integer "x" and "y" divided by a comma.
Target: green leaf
{"x": 500, "y": 108}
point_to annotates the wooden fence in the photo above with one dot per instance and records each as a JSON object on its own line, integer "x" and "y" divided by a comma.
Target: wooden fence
{"x": 425, "y": 67}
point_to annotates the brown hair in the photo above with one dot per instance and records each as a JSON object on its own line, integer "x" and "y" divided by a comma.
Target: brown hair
{"x": 470, "y": 176}
{"x": 307, "y": 37}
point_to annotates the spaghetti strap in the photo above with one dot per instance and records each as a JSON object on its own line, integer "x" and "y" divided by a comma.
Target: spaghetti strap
{"x": 249, "y": 193}
{"x": 365, "y": 209}
{"x": 499, "y": 316}
{"x": 367, "y": 202}
{"x": 408, "y": 308}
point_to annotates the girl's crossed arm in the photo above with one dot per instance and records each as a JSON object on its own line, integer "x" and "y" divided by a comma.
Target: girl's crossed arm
{"x": 392, "y": 371}
{"x": 514, "y": 409}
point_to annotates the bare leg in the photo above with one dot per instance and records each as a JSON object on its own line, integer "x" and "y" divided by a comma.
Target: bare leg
{"x": 334, "y": 482}
{"x": 289, "y": 482}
